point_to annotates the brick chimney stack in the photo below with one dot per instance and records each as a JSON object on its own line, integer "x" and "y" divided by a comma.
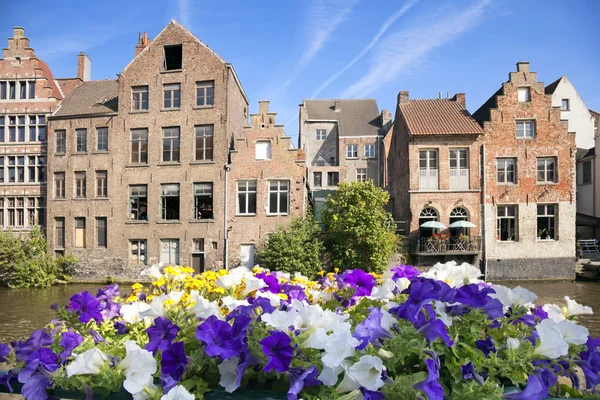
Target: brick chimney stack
{"x": 18, "y": 32}
{"x": 263, "y": 106}
{"x": 84, "y": 67}
{"x": 19, "y": 39}
{"x": 460, "y": 98}
{"x": 403, "y": 97}
{"x": 523, "y": 66}
{"x": 336, "y": 106}
{"x": 143, "y": 41}
{"x": 386, "y": 117}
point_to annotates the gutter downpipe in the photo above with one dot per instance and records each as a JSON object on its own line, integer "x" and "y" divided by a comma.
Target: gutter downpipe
{"x": 483, "y": 226}
{"x": 226, "y": 232}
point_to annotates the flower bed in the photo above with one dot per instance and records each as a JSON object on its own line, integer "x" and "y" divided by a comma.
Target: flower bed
{"x": 352, "y": 335}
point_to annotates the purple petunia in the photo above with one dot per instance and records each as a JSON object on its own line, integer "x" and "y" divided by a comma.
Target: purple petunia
{"x": 370, "y": 394}
{"x": 120, "y": 327}
{"x": 161, "y": 334}
{"x": 486, "y": 346}
{"x": 300, "y": 378}
{"x": 471, "y": 295}
{"x": 433, "y": 329}
{"x": 540, "y": 313}
{"x": 6, "y": 378}
{"x": 404, "y": 271}
{"x": 590, "y": 365}
{"x": 538, "y": 386}
{"x": 430, "y": 386}
{"x": 360, "y": 280}
{"x": 69, "y": 342}
{"x": 110, "y": 310}
{"x": 420, "y": 292}
{"x": 35, "y": 375}
{"x": 246, "y": 360}
{"x": 4, "y": 352}
{"x": 37, "y": 340}
{"x": 468, "y": 372}
{"x": 108, "y": 293}
{"x": 96, "y": 336}
{"x": 220, "y": 338}
{"x": 277, "y": 347}
{"x": 86, "y": 306}
{"x": 271, "y": 281}
{"x": 174, "y": 361}
{"x": 371, "y": 330}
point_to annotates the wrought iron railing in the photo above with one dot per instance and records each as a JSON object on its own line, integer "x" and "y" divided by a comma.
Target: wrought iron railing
{"x": 452, "y": 245}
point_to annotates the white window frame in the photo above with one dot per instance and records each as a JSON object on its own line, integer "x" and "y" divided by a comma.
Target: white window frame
{"x": 205, "y": 135}
{"x": 81, "y": 140}
{"x": 140, "y": 247}
{"x": 505, "y": 171}
{"x": 137, "y": 98}
{"x": 282, "y": 188}
{"x": 102, "y": 138}
{"x": 502, "y": 214}
{"x": 370, "y": 150}
{"x": 171, "y": 92}
{"x": 351, "y": 151}
{"x": 321, "y": 134}
{"x": 171, "y": 135}
{"x": 552, "y": 218}
{"x": 173, "y": 251}
{"x": 202, "y": 89}
{"x": 562, "y": 105}
{"x": 361, "y": 174}
{"x": 246, "y": 188}
{"x": 526, "y": 133}
{"x": 545, "y": 170}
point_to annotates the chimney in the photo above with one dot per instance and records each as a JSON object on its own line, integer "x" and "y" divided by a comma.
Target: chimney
{"x": 403, "y": 97}
{"x": 84, "y": 67}
{"x": 263, "y": 106}
{"x": 386, "y": 117}
{"x": 143, "y": 41}
{"x": 336, "y": 106}
{"x": 18, "y": 32}
{"x": 460, "y": 99}
{"x": 523, "y": 66}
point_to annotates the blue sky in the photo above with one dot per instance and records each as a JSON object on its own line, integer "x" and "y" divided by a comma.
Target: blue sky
{"x": 286, "y": 51}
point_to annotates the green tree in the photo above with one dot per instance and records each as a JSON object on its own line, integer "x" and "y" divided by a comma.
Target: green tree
{"x": 295, "y": 248}
{"x": 359, "y": 231}
{"x": 26, "y": 263}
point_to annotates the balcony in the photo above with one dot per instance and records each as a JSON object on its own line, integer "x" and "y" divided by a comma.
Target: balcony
{"x": 452, "y": 246}
{"x": 428, "y": 179}
{"x": 459, "y": 179}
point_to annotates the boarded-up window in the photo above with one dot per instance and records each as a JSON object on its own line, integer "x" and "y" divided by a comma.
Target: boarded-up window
{"x": 80, "y": 232}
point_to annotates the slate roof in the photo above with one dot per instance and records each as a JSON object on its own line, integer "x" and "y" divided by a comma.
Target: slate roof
{"x": 439, "y": 117}
{"x": 357, "y": 117}
{"x": 91, "y": 98}
{"x": 552, "y": 87}
{"x": 582, "y": 153}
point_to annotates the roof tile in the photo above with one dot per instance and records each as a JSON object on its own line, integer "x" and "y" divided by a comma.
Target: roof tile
{"x": 356, "y": 117}
{"x": 439, "y": 117}
{"x": 89, "y": 98}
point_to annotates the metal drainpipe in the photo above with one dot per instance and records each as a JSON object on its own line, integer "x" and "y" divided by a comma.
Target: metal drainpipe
{"x": 483, "y": 227}
{"x": 226, "y": 233}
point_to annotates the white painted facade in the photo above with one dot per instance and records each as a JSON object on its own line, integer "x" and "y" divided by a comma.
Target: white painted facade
{"x": 578, "y": 115}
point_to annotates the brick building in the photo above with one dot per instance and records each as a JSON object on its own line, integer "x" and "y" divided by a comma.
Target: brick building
{"x": 529, "y": 201}
{"x": 434, "y": 175}
{"x": 342, "y": 140}
{"x": 138, "y": 164}
{"x": 28, "y": 94}
{"x": 267, "y": 179}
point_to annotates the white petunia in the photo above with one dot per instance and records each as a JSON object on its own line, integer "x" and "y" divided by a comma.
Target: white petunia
{"x": 233, "y": 277}
{"x": 232, "y": 303}
{"x": 131, "y": 312}
{"x": 330, "y": 320}
{"x": 178, "y": 393}
{"x": 340, "y": 346}
{"x": 329, "y": 376}
{"x": 440, "y": 310}
{"x": 402, "y": 284}
{"x": 383, "y": 291}
{"x": 453, "y": 274}
{"x": 203, "y": 308}
{"x": 513, "y": 343}
{"x": 228, "y": 375}
{"x": 253, "y": 283}
{"x": 571, "y": 332}
{"x": 574, "y": 308}
{"x": 88, "y": 362}
{"x": 515, "y": 297}
{"x": 367, "y": 372}
{"x": 274, "y": 299}
{"x": 157, "y": 308}
{"x": 280, "y": 320}
{"x": 552, "y": 345}
{"x": 152, "y": 272}
{"x": 554, "y": 312}
{"x": 348, "y": 384}
{"x": 317, "y": 340}
{"x": 139, "y": 365}
{"x": 175, "y": 295}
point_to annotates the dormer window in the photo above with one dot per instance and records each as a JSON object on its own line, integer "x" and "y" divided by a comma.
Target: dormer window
{"x": 524, "y": 94}
{"x": 173, "y": 57}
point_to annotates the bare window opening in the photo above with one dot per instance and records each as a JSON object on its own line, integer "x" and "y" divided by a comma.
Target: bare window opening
{"x": 203, "y": 200}
{"x": 173, "y": 56}
{"x": 170, "y": 201}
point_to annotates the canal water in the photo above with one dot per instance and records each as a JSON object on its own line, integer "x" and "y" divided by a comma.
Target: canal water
{"x": 24, "y": 310}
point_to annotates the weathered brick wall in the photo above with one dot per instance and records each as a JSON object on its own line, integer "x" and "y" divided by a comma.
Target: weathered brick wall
{"x": 351, "y": 165}
{"x": 285, "y": 164}
{"x": 398, "y": 169}
{"x": 552, "y": 140}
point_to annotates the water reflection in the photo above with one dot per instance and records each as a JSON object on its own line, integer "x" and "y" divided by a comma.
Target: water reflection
{"x": 24, "y": 310}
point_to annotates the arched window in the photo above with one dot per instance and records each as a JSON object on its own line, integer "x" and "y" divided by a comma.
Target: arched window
{"x": 428, "y": 214}
{"x": 459, "y": 214}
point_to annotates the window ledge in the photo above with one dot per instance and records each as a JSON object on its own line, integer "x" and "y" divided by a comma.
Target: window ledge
{"x": 506, "y": 184}
{"x": 80, "y": 198}
{"x": 101, "y": 198}
{"x": 202, "y": 162}
{"x": 351, "y": 158}
{"x": 168, "y": 164}
{"x": 170, "y": 109}
{"x": 245, "y": 215}
{"x": 546, "y": 240}
{"x": 100, "y": 152}
{"x": 202, "y": 221}
{"x": 167, "y": 222}
{"x": 203, "y": 107}
{"x": 59, "y": 249}
{"x": 170, "y": 71}
{"x": 60, "y": 154}
{"x": 546, "y": 183}
{"x": 59, "y": 199}
{"x": 139, "y": 112}
{"x": 80, "y": 153}
{"x": 277, "y": 215}
{"x": 507, "y": 241}
{"x": 137, "y": 165}
{"x": 136, "y": 222}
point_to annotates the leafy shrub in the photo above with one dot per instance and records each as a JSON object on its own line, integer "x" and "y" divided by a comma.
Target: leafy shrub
{"x": 26, "y": 263}
{"x": 295, "y": 248}
{"x": 359, "y": 231}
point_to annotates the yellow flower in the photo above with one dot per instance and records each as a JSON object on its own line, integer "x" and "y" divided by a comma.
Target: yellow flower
{"x": 321, "y": 273}
{"x": 283, "y": 296}
{"x": 131, "y": 298}
{"x": 218, "y": 290}
{"x": 136, "y": 286}
{"x": 336, "y": 270}
{"x": 169, "y": 303}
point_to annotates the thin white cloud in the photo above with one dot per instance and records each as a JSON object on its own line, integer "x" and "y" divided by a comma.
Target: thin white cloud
{"x": 324, "y": 16}
{"x": 183, "y": 13}
{"x": 400, "y": 12}
{"x": 407, "y": 48}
